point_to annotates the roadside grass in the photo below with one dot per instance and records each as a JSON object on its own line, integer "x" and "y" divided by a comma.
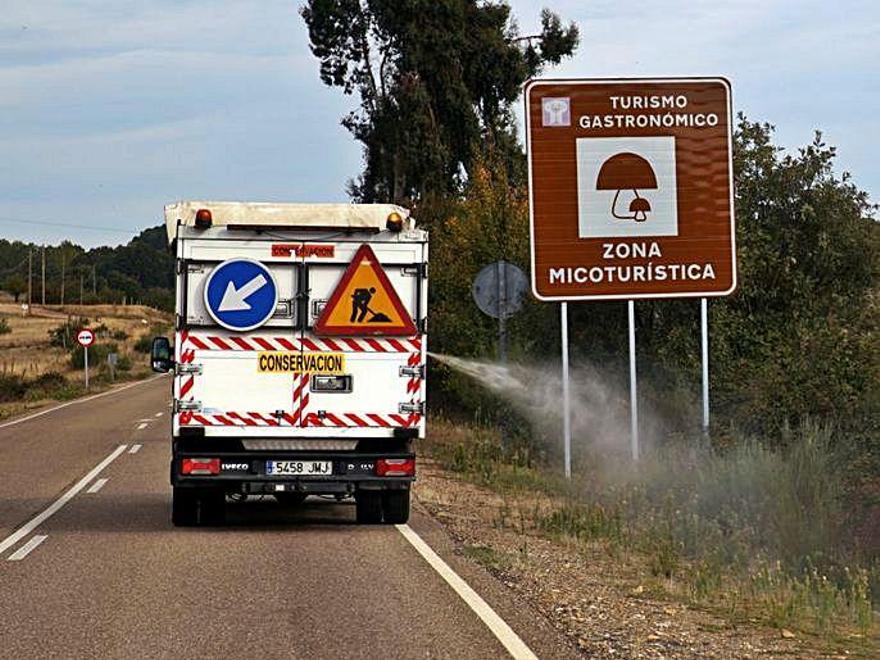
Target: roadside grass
{"x": 753, "y": 534}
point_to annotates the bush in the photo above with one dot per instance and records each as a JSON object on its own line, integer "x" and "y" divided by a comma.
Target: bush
{"x": 46, "y": 385}
{"x": 64, "y": 335}
{"x": 119, "y": 335}
{"x": 12, "y": 387}
{"x": 97, "y": 355}
{"x": 4, "y": 327}
{"x": 123, "y": 363}
{"x": 144, "y": 344}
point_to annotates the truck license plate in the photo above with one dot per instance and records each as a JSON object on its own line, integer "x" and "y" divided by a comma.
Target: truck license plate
{"x": 295, "y": 468}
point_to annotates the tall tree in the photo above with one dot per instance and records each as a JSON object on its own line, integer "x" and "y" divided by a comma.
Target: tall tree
{"x": 16, "y": 285}
{"x": 435, "y": 79}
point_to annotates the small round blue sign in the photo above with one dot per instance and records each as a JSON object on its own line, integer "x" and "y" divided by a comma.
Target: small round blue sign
{"x": 241, "y": 294}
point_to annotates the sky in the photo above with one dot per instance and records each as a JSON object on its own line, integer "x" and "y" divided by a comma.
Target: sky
{"x": 111, "y": 109}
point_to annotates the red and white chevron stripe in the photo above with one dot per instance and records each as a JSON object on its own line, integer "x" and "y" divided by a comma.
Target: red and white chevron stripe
{"x": 314, "y": 344}
{"x": 361, "y": 420}
{"x": 300, "y": 396}
{"x": 342, "y": 420}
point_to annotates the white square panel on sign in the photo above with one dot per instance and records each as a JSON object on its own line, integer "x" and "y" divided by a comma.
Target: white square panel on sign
{"x": 626, "y": 187}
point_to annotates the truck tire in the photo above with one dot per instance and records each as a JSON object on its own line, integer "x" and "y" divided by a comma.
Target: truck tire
{"x": 191, "y": 507}
{"x": 212, "y": 507}
{"x": 395, "y": 506}
{"x": 184, "y": 507}
{"x": 368, "y": 504}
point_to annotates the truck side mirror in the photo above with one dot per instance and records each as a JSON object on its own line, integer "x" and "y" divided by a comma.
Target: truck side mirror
{"x": 161, "y": 355}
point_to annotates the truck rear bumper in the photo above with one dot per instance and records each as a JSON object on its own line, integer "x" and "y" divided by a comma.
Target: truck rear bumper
{"x": 246, "y": 472}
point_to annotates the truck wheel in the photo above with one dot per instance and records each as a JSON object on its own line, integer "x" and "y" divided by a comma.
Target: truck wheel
{"x": 395, "y": 506}
{"x": 184, "y": 507}
{"x": 211, "y": 507}
{"x": 368, "y": 504}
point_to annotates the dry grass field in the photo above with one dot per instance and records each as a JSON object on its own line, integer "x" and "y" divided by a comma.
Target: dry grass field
{"x": 26, "y": 352}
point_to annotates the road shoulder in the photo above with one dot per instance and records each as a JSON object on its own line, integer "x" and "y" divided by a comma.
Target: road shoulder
{"x": 589, "y": 597}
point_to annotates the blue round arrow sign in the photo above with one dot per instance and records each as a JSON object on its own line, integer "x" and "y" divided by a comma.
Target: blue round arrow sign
{"x": 241, "y": 294}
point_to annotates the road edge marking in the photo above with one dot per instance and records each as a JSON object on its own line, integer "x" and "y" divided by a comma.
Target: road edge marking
{"x": 20, "y": 420}
{"x": 135, "y": 449}
{"x": 53, "y": 508}
{"x": 498, "y": 626}
{"x": 25, "y": 550}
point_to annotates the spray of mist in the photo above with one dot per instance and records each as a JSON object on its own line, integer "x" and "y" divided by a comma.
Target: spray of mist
{"x": 695, "y": 491}
{"x": 599, "y": 412}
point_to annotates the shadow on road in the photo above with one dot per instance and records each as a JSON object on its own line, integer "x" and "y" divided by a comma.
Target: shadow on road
{"x": 151, "y": 512}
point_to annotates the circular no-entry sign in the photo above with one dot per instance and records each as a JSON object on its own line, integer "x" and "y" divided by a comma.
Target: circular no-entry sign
{"x": 85, "y": 337}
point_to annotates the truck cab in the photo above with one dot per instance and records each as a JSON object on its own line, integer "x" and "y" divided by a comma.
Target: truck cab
{"x": 298, "y": 359}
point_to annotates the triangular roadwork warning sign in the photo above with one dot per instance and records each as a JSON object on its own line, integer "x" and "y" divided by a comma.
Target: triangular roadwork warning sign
{"x": 365, "y": 302}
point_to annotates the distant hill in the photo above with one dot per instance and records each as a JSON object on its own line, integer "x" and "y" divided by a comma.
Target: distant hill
{"x": 139, "y": 272}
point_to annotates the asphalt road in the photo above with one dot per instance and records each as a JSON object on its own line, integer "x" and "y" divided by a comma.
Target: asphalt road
{"x": 107, "y": 576}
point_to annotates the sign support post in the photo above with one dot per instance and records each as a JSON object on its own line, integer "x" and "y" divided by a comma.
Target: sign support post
{"x": 85, "y": 338}
{"x": 633, "y": 387}
{"x": 501, "y": 274}
{"x": 566, "y": 393}
{"x": 704, "y": 331}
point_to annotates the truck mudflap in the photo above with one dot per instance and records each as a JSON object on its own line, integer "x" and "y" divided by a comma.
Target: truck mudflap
{"x": 313, "y": 472}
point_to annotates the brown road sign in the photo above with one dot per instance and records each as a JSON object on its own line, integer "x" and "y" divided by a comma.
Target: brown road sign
{"x": 630, "y": 188}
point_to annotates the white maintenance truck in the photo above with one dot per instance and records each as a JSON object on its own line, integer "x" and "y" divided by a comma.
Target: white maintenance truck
{"x": 298, "y": 359}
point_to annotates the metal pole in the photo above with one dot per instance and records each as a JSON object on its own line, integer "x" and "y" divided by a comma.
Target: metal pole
{"x": 43, "y": 266}
{"x": 633, "y": 390}
{"x": 86, "y": 362}
{"x": 501, "y": 272}
{"x": 30, "y": 278}
{"x": 566, "y": 399}
{"x": 704, "y": 323}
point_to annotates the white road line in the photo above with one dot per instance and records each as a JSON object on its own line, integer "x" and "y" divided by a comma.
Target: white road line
{"x": 142, "y": 426}
{"x": 25, "y": 550}
{"x": 53, "y": 508}
{"x": 135, "y": 449}
{"x": 76, "y": 401}
{"x": 511, "y": 641}
{"x": 158, "y": 414}
{"x": 98, "y": 485}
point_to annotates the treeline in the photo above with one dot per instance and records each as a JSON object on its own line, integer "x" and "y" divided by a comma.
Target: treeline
{"x": 139, "y": 272}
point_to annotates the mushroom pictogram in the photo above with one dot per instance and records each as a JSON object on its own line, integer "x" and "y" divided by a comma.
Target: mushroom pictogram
{"x": 628, "y": 171}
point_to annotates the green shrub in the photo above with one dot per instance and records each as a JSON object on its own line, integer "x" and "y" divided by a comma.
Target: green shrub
{"x": 144, "y": 344}
{"x": 46, "y": 385}
{"x": 97, "y": 355}
{"x": 12, "y": 387}
{"x": 4, "y": 327}
{"x": 123, "y": 363}
{"x": 119, "y": 335}
{"x": 64, "y": 335}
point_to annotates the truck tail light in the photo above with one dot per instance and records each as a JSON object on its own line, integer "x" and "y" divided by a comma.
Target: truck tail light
{"x": 200, "y": 466}
{"x": 396, "y": 467}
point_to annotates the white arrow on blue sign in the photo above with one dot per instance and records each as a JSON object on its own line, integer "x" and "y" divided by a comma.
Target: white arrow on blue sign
{"x": 241, "y": 294}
